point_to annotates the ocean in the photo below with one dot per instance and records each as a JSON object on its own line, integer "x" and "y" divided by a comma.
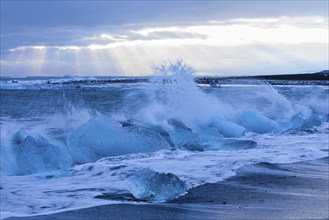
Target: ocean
{"x": 66, "y": 141}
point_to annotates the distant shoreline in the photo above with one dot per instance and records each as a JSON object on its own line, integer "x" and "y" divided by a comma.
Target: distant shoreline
{"x": 319, "y": 78}
{"x": 322, "y": 75}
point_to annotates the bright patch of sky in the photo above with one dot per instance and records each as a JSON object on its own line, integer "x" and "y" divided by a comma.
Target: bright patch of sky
{"x": 127, "y": 38}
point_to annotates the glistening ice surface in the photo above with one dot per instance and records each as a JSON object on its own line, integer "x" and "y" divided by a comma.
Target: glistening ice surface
{"x": 65, "y": 141}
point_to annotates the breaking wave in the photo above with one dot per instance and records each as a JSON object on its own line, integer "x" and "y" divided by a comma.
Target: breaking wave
{"x": 113, "y": 132}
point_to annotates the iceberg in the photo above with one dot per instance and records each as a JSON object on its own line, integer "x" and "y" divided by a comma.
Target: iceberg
{"x": 102, "y": 137}
{"x": 34, "y": 154}
{"x": 256, "y": 122}
{"x": 153, "y": 186}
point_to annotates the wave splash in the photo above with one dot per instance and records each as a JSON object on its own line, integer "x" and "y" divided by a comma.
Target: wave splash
{"x": 155, "y": 139}
{"x": 172, "y": 113}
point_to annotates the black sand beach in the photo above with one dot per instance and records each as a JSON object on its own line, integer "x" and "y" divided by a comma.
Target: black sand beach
{"x": 261, "y": 191}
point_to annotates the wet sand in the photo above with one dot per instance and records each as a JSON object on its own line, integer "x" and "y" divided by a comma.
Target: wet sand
{"x": 261, "y": 191}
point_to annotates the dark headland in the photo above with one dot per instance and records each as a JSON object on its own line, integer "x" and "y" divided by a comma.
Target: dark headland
{"x": 317, "y": 78}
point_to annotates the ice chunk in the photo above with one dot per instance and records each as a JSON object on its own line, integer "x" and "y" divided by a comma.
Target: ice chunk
{"x": 178, "y": 125}
{"x": 302, "y": 120}
{"x": 188, "y": 141}
{"x": 306, "y": 119}
{"x": 231, "y": 144}
{"x": 101, "y": 137}
{"x": 34, "y": 154}
{"x": 153, "y": 186}
{"x": 183, "y": 137}
{"x": 255, "y": 121}
{"x": 227, "y": 129}
{"x": 211, "y": 142}
{"x": 19, "y": 137}
{"x": 283, "y": 126}
{"x": 164, "y": 134}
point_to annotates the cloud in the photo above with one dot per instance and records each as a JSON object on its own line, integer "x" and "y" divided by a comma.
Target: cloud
{"x": 235, "y": 46}
{"x": 312, "y": 22}
{"x": 214, "y": 33}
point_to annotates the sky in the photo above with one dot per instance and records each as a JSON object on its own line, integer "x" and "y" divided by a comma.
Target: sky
{"x": 127, "y": 38}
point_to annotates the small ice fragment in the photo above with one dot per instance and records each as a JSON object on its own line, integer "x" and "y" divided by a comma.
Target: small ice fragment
{"x": 153, "y": 186}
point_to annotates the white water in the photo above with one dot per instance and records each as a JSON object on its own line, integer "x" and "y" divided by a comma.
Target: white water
{"x": 294, "y": 121}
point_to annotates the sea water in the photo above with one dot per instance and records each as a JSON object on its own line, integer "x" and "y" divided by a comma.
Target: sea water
{"x": 65, "y": 141}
